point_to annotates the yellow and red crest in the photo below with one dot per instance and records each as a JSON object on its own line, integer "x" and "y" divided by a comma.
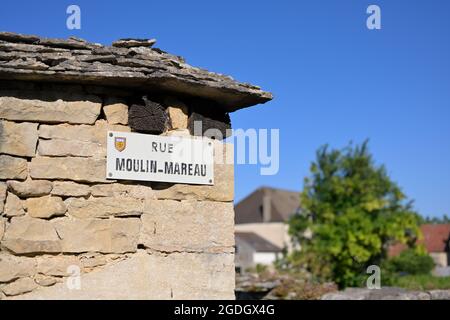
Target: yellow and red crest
{"x": 120, "y": 143}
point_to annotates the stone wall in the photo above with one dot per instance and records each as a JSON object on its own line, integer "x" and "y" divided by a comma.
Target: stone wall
{"x": 386, "y": 293}
{"x": 129, "y": 239}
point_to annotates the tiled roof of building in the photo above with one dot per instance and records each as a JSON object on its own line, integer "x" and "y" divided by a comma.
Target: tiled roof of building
{"x": 256, "y": 242}
{"x": 436, "y": 238}
{"x": 283, "y": 204}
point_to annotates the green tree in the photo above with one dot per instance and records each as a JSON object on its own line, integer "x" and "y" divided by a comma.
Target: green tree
{"x": 350, "y": 213}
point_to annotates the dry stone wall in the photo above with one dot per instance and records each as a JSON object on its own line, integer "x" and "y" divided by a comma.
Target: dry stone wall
{"x": 129, "y": 239}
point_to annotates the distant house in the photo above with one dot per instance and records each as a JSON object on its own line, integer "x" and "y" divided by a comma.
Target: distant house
{"x": 436, "y": 239}
{"x": 252, "y": 250}
{"x": 437, "y": 242}
{"x": 264, "y": 214}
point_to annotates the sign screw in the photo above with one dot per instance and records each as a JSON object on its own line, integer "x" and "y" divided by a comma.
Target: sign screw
{"x": 110, "y": 174}
{"x": 210, "y": 181}
{"x": 111, "y": 135}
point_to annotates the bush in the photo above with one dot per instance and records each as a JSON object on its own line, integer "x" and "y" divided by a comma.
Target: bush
{"x": 258, "y": 269}
{"x": 421, "y": 282}
{"x": 412, "y": 262}
{"x": 293, "y": 289}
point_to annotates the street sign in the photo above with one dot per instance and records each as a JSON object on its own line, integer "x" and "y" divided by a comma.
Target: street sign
{"x": 145, "y": 157}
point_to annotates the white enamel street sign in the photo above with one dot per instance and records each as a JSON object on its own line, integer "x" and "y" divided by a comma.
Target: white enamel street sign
{"x": 144, "y": 157}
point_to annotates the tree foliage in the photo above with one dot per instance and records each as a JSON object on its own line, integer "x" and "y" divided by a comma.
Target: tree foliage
{"x": 350, "y": 213}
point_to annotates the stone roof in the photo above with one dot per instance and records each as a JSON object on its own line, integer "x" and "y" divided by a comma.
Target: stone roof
{"x": 128, "y": 63}
{"x": 258, "y": 243}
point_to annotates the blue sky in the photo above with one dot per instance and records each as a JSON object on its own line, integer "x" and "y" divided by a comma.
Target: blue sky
{"x": 333, "y": 79}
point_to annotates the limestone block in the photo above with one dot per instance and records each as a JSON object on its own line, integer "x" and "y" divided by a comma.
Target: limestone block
{"x": 98, "y": 235}
{"x": 29, "y": 235}
{"x": 93, "y": 261}
{"x": 122, "y": 190}
{"x": 21, "y": 286}
{"x": 14, "y": 206}
{"x": 187, "y": 276}
{"x": 223, "y": 188}
{"x": 30, "y": 188}
{"x": 56, "y": 265}
{"x": 178, "y": 133}
{"x": 440, "y": 294}
{"x": 68, "y": 148}
{"x": 70, "y": 189}
{"x": 202, "y": 226}
{"x": 81, "y": 141}
{"x": 13, "y": 168}
{"x": 45, "y": 207}
{"x": 87, "y": 133}
{"x": 223, "y": 152}
{"x": 69, "y": 168}
{"x": 18, "y": 139}
{"x": 104, "y": 207}
{"x": 178, "y": 113}
{"x": 12, "y": 267}
{"x": 415, "y": 295}
{"x": 45, "y": 281}
{"x": 116, "y": 111}
{"x": 2, "y": 227}
{"x": 2, "y": 196}
{"x": 75, "y": 109}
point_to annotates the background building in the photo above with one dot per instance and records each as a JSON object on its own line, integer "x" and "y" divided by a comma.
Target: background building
{"x": 251, "y": 250}
{"x": 261, "y": 226}
{"x": 436, "y": 240}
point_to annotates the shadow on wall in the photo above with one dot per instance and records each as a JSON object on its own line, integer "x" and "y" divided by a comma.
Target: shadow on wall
{"x": 148, "y": 109}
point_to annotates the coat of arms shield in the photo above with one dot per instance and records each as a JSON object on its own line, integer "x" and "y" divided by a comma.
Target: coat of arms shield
{"x": 120, "y": 143}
